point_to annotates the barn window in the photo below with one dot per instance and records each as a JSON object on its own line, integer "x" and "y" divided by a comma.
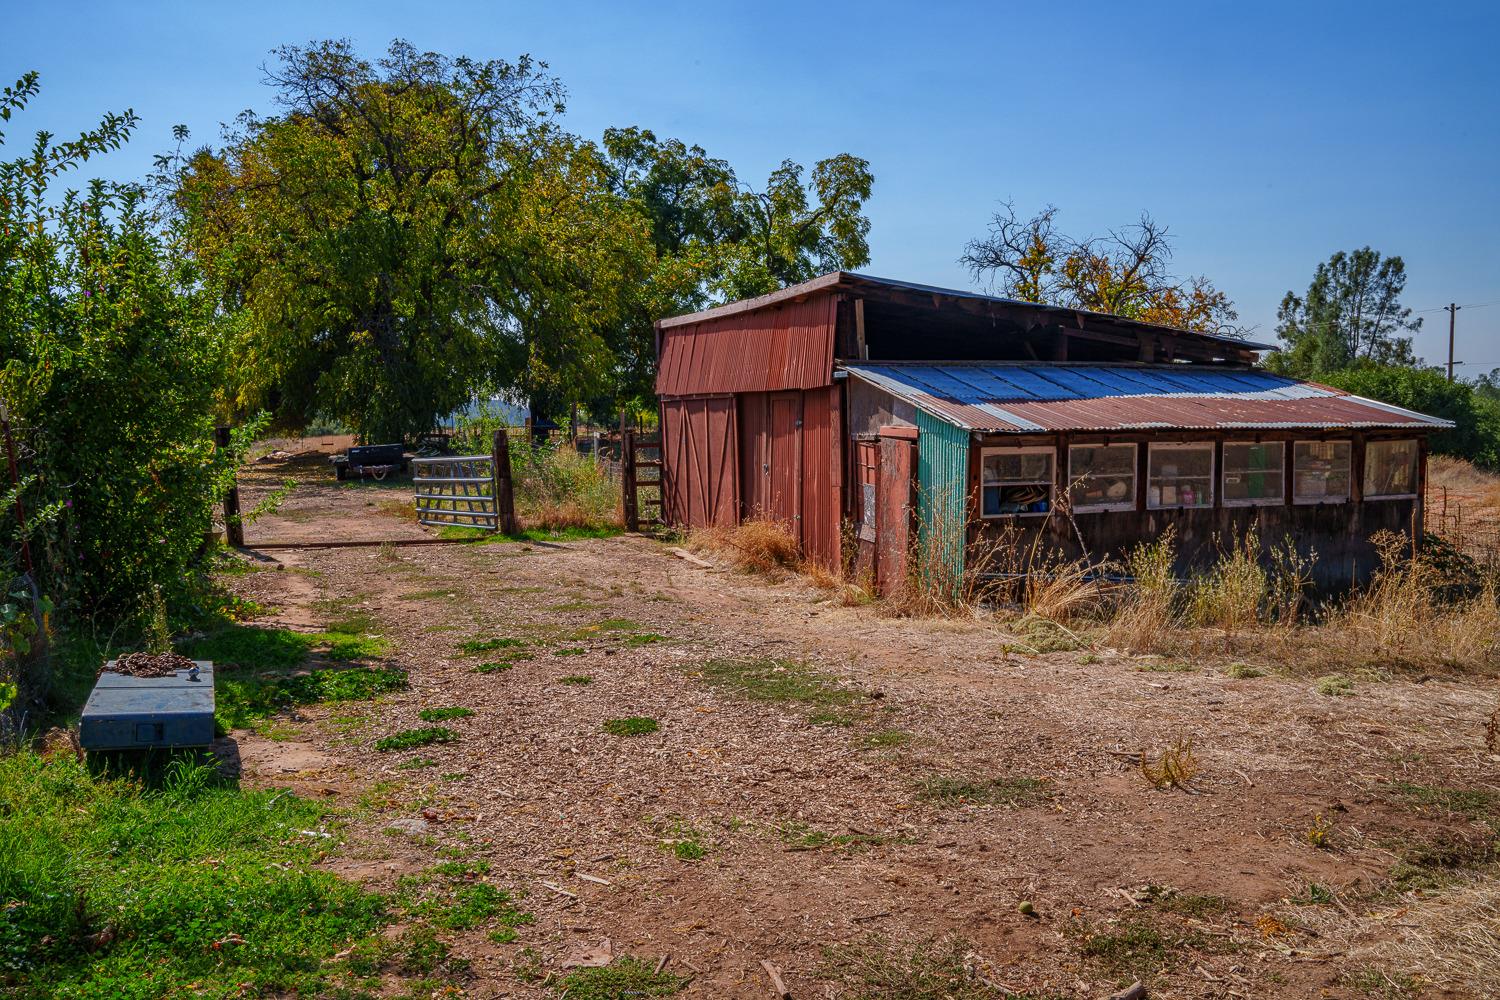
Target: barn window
{"x": 1390, "y": 469}
{"x": 1254, "y": 473}
{"x": 1320, "y": 471}
{"x": 1016, "y": 481}
{"x": 1101, "y": 476}
{"x": 866, "y": 453}
{"x": 1180, "y": 475}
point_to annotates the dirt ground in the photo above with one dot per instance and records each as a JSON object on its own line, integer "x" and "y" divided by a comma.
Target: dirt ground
{"x": 813, "y": 830}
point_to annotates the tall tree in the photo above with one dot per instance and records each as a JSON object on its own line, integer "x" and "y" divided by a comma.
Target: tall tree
{"x": 1126, "y": 272}
{"x": 1351, "y": 314}
{"x": 794, "y": 230}
{"x": 407, "y": 233}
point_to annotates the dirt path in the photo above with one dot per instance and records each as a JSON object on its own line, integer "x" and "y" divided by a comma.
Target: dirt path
{"x": 811, "y": 821}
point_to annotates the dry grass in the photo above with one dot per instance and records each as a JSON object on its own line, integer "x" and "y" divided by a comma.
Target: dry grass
{"x": 1456, "y": 939}
{"x": 1457, "y": 474}
{"x": 757, "y": 545}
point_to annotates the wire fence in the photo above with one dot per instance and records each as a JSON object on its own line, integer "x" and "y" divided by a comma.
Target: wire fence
{"x": 1466, "y": 522}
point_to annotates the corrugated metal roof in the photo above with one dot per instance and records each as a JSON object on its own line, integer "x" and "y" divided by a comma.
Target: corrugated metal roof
{"x": 1035, "y": 397}
{"x": 853, "y": 280}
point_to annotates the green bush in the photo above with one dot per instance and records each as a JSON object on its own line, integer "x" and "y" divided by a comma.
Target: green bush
{"x": 1427, "y": 390}
{"x": 112, "y": 350}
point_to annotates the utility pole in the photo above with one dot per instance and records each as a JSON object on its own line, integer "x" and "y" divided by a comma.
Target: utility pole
{"x": 1453, "y": 309}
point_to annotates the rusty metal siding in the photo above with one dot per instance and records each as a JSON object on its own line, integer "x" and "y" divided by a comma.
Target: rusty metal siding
{"x": 1018, "y": 398}
{"x": 822, "y": 476}
{"x": 943, "y": 489}
{"x": 788, "y": 346}
{"x": 700, "y": 461}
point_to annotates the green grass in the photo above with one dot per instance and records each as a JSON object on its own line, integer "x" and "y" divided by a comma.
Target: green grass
{"x": 1137, "y": 947}
{"x": 625, "y": 977}
{"x": 952, "y": 791}
{"x": 643, "y": 639}
{"x": 483, "y": 537}
{"x": 494, "y": 667}
{"x": 789, "y": 681}
{"x": 1243, "y": 671}
{"x": 876, "y": 968}
{"x": 444, "y": 714}
{"x": 577, "y": 679}
{"x": 416, "y": 764}
{"x": 410, "y": 739}
{"x": 884, "y": 739}
{"x": 262, "y": 671}
{"x": 473, "y": 647}
{"x": 636, "y": 725}
{"x": 181, "y": 885}
{"x": 1474, "y": 803}
{"x": 1335, "y": 685}
{"x": 802, "y": 837}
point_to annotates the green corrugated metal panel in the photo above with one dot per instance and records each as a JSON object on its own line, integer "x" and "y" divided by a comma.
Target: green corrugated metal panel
{"x": 943, "y": 484}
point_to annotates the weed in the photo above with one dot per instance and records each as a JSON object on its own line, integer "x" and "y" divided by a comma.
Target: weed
{"x": 884, "y": 739}
{"x": 494, "y": 667}
{"x": 1186, "y": 904}
{"x": 409, "y": 739}
{"x": 954, "y": 791}
{"x": 1175, "y": 767}
{"x": 643, "y": 639}
{"x": 830, "y": 718}
{"x": 1335, "y": 685}
{"x": 1433, "y": 861}
{"x": 625, "y": 977}
{"x": 1243, "y": 671}
{"x": 1313, "y": 894}
{"x": 577, "y": 679}
{"x": 1320, "y": 833}
{"x": 802, "y": 837}
{"x": 569, "y": 651}
{"x": 1473, "y": 803}
{"x": 1136, "y": 947}
{"x": 416, "y": 764}
{"x": 795, "y": 681}
{"x": 473, "y": 647}
{"x": 634, "y": 726}
{"x": 879, "y": 969}
{"x": 444, "y": 714}
{"x": 1379, "y": 983}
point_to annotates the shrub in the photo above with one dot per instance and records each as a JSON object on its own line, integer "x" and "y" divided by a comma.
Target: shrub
{"x": 758, "y": 544}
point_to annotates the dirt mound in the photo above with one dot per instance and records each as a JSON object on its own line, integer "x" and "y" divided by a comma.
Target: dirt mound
{"x": 150, "y": 664}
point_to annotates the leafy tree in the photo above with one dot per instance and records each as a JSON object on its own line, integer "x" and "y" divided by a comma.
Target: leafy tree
{"x": 1427, "y": 390}
{"x": 1351, "y": 313}
{"x": 795, "y": 230}
{"x": 110, "y": 353}
{"x": 407, "y": 233}
{"x": 1126, "y": 272}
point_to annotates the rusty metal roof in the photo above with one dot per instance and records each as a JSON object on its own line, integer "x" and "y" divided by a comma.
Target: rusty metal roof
{"x": 1042, "y": 397}
{"x": 854, "y": 281}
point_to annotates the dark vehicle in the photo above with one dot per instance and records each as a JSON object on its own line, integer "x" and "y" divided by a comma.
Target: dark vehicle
{"x": 378, "y": 460}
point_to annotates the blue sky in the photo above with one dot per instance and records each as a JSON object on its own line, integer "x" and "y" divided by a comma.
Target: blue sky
{"x": 1265, "y": 135}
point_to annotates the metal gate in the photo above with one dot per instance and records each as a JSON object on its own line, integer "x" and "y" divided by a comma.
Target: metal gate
{"x": 455, "y": 490}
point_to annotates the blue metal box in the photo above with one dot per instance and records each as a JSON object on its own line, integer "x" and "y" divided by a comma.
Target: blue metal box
{"x": 137, "y": 713}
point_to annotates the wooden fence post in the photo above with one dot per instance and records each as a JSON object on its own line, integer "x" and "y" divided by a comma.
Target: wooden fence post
{"x": 234, "y": 526}
{"x": 627, "y": 480}
{"x": 501, "y": 487}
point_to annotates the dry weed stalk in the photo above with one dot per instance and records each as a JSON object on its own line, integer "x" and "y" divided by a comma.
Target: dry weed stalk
{"x": 1175, "y": 767}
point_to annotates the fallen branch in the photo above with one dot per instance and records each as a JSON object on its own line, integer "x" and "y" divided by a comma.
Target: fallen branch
{"x": 777, "y": 985}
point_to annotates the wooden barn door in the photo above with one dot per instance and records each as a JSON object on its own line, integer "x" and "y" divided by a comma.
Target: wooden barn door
{"x": 784, "y": 461}
{"x": 699, "y": 446}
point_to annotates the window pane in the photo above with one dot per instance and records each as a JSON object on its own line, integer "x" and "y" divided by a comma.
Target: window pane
{"x": 1101, "y": 476}
{"x": 1022, "y": 467}
{"x": 1390, "y": 468}
{"x": 1253, "y": 472}
{"x": 1017, "y": 482}
{"x": 1320, "y": 471}
{"x": 1180, "y": 477}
